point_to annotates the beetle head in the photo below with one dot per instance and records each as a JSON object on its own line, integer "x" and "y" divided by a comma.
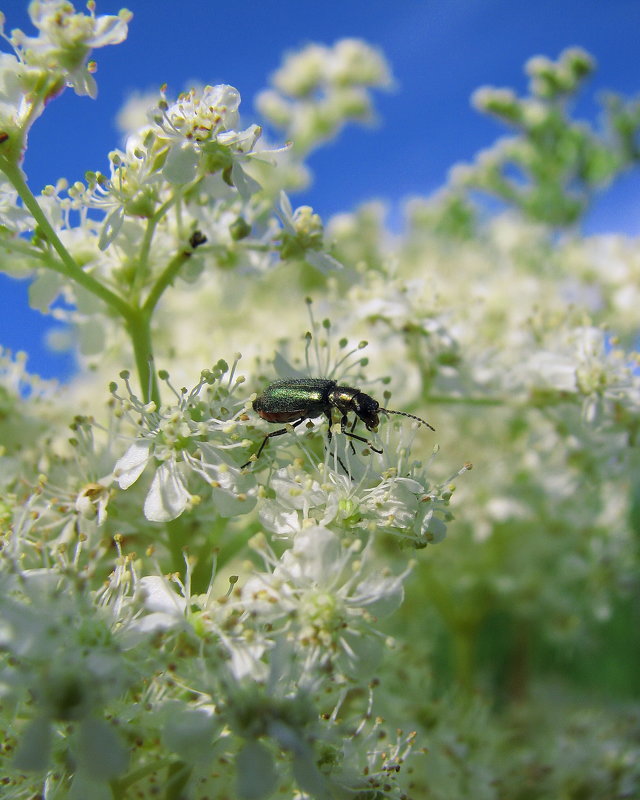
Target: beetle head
{"x": 367, "y": 409}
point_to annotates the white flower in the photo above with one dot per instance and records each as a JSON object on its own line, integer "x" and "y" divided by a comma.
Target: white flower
{"x": 131, "y": 465}
{"x": 297, "y": 495}
{"x": 168, "y": 496}
{"x": 583, "y": 363}
{"x": 321, "y": 88}
{"x": 202, "y": 117}
{"x": 13, "y": 217}
{"x": 557, "y": 370}
{"x": 326, "y": 596}
{"x": 92, "y": 501}
{"x": 167, "y": 609}
{"x": 177, "y": 610}
{"x": 408, "y": 508}
{"x": 17, "y": 111}
{"x": 303, "y": 236}
{"x": 67, "y": 38}
{"x": 301, "y": 499}
{"x": 349, "y": 61}
{"x": 385, "y": 491}
{"x": 201, "y": 131}
{"x": 187, "y": 439}
{"x": 45, "y": 620}
{"x": 133, "y": 189}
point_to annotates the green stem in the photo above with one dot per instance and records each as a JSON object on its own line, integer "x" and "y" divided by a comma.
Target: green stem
{"x": 121, "y": 787}
{"x": 25, "y": 248}
{"x": 178, "y": 774}
{"x": 69, "y": 266}
{"x": 449, "y": 399}
{"x": 139, "y": 330}
{"x": 166, "y": 278}
{"x": 162, "y": 210}
{"x": 137, "y": 321}
{"x": 143, "y": 258}
{"x": 174, "y": 266}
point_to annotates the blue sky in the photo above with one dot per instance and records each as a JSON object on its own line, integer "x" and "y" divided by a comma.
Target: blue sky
{"x": 439, "y": 50}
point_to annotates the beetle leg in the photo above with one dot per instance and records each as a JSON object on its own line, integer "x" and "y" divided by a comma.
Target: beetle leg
{"x": 329, "y": 434}
{"x": 352, "y": 435}
{"x": 362, "y": 439}
{"x": 279, "y": 432}
{"x": 339, "y": 462}
{"x": 343, "y": 425}
{"x": 330, "y": 437}
{"x": 353, "y": 427}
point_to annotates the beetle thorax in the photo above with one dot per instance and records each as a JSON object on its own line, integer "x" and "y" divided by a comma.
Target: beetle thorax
{"x": 347, "y": 399}
{"x": 341, "y": 397}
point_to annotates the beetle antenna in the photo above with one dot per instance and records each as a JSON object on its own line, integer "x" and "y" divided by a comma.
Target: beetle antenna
{"x": 404, "y": 414}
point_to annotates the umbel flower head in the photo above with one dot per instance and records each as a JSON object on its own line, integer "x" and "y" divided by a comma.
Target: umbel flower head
{"x": 190, "y": 439}
{"x": 66, "y": 39}
{"x": 43, "y": 65}
{"x": 391, "y": 494}
{"x": 325, "y": 594}
{"x": 201, "y": 131}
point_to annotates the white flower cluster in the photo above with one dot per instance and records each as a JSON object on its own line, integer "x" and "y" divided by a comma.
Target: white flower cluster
{"x": 584, "y": 363}
{"x": 405, "y": 506}
{"x": 272, "y": 661}
{"x": 319, "y": 89}
{"x": 66, "y": 39}
{"x": 193, "y": 437}
{"x": 186, "y": 612}
{"x": 43, "y": 65}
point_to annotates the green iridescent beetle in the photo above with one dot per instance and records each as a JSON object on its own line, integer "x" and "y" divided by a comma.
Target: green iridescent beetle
{"x": 293, "y": 400}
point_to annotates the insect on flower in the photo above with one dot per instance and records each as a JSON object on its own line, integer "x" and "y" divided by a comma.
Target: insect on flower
{"x": 293, "y": 400}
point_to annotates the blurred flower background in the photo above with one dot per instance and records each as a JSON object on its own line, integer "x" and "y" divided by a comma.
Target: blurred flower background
{"x": 439, "y": 54}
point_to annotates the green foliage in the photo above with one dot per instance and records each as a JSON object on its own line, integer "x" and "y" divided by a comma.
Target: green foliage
{"x": 551, "y": 168}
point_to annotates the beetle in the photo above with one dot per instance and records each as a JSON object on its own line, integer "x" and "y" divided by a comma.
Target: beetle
{"x": 293, "y": 400}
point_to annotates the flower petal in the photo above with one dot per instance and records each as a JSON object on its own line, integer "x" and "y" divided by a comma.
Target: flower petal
{"x": 129, "y": 468}
{"x": 181, "y": 165}
{"x": 158, "y": 596}
{"x": 168, "y": 496}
